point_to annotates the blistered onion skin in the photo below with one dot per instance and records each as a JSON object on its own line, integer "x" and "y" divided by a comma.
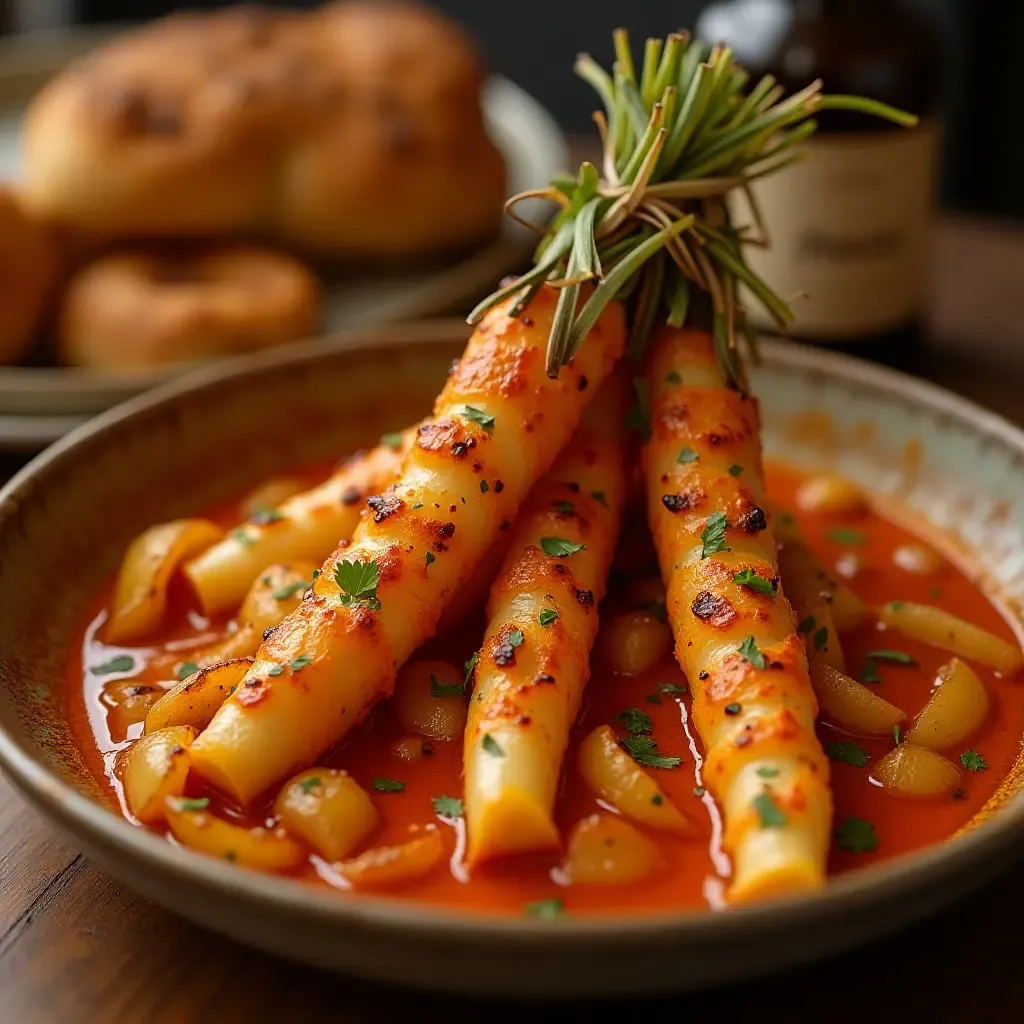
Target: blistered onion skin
{"x": 305, "y": 528}
{"x": 956, "y": 709}
{"x": 769, "y": 724}
{"x": 499, "y": 420}
{"x": 614, "y": 777}
{"x": 852, "y": 705}
{"x": 939, "y": 628}
{"x": 140, "y": 594}
{"x": 532, "y": 668}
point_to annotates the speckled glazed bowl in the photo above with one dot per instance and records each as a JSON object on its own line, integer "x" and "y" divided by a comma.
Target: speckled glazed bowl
{"x": 66, "y": 519}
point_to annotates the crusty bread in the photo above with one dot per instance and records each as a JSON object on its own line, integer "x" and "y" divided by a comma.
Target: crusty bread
{"x": 29, "y": 264}
{"x": 354, "y": 129}
{"x": 145, "y": 307}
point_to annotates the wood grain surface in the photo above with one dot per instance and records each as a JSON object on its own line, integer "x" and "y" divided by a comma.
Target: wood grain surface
{"x": 76, "y": 946}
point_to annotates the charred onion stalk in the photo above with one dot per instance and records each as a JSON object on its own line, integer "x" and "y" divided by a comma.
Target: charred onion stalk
{"x": 652, "y": 230}
{"x": 497, "y": 426}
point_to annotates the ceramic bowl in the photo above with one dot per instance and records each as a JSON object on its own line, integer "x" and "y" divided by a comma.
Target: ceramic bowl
{"x": 66, "y": 520}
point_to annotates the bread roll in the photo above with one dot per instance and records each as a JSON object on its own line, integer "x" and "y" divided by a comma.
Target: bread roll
{"x": 139, "y": 308}
{"x": 351, "y": 130}
{"x": 28, "y": 267}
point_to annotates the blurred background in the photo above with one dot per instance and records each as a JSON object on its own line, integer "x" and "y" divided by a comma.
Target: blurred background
{"x": 982, "y": 161}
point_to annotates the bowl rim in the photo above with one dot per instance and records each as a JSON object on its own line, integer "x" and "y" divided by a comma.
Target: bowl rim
{"x": 80, "y": 815}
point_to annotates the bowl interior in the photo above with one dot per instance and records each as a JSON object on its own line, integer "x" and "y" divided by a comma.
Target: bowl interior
{"x": 66, "y": 520}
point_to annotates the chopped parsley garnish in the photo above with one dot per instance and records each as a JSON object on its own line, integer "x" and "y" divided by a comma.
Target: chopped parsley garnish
{"x": 768, "y": 811}
{"x": 471, "y": 412}
{"x": 935, "y": 593}
{"x": 566, "y": 508}
{"x": 749, "y": 650}
{"x": 275, "y": 671}
{"x": 186, "y": 668}
{"x": 749, "y": 578}
{"x": 900, "y": 657}
{"x": 644, "y": 751}
{"x": 447, "y": 806}
{"x": 657, "y": 799}
{"x": 264, "y": 516}
{"x": 674, "y": 377}
{"x": 358, "y": 582}
{"x": 844, "y": 535}
{"x": 895, "y": 605}
{"x": 439, "y": 689}
{"x": 242, "y": 537}
{"x": 733, "y": 708}
{"x": 559, "y": 547}
{"x": 392, "y": 440}
{"x": 491, "y": 745}
{"x": 429, "y": 559}
{"x": 547, "y": 616}
{"x": 653, "y": 698}
{"x": 545, "y": 909}
{"x": 469, "y": 666}
{"x": 672, "y": 689}
{"x": 299, "y": 663}
{"x": 806, "y": 625}
{"x": 484, "y": 486}
{"x": 599, "y": 497}
{"x": 973, "y": 761}
{"x": 767, "y": 772}
{"x": 848, "y": 753}
{"x": 959, "y": 794}
{"x": 699, "y": 790}
{"x": 713, "y": 535}
{"x": 687, "y": 455}
{"x": 290, "y": 590}
{"x": 309, "y": 784}
{"x": 516, "y": 638}
{"x": 869, "y": 673}
{"x": 388, "y": 785}
{"x": 821, "y": 638}
{"x": 735, "y": 470}
{"x": 416, "y": 507}
{"x": 635, "y": 721}
{"x": 855, "y": 835}
{"x": 122, "y": 663}
{"x": 196, "y": 804}
{"x": 897, "y": 735}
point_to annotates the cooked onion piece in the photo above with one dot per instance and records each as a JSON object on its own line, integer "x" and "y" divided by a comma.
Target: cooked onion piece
{"x": 268, "y": 495}
{"x": 129, "y": 702}
{"x": 387, "y": 866}
{"x": 194, "y": 701}
{"x": 956, "y": 709}
{"x": 606, "y": 850}
{"x": 613, "y": 776}
{"x": 938, "y": 628}
{"x": 429, "y": 701}
{"x": 327, "y": 809}
{"x": 634, "y": 642}
{"x": 831, "y": 494}
{"x": 810, "y": 590}
{"x": 848, "y": 610}
{"x": 140, "y": 596}
{"x": 267, "y": 849}
{"x": 156, "y": 767}
{"x": 275, "y": 593}
{"x": 852, "y": 705}
{"x": 916, "y": 771}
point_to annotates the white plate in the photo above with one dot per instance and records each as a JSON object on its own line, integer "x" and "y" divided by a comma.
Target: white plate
{"x": 40, "y": 404}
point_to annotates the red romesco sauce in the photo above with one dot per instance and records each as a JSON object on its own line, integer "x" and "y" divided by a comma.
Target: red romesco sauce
{"x": 693, "y": 873}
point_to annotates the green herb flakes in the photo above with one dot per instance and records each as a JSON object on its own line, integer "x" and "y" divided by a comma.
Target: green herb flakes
{"x": 288, "y": 590}
{"x": 749, "y": 578}
{"x": 187, "y": 668}
{"x": 869, "y": 673}
{"x": 565, "y": 508}
{"x": 635, "y": 721}
{"x": 769, "y": 814}
{"x": 735, "y": 470}
{"x": 848, "y": 753}
{"x": 392, "y": 440}
{"x": 484, "y": 486}
{"x": 299, "y": 663}
{"x": 599, "y": 497}
{"x": 358, "y": 582}
{"x": 545, "y": 909}
{"x": 516, "y": 638}
{"x": 820, "y": 639}
{"x": 767, "y": 772}
{"x": 547, "y": 616}
{"x": 973, "y": 761}
{"x": 713, "y": 535}
{"x": 195, "y": 804}
{"x": 855, "y": 835}
{"x": 428, "y": 559}
{"x": 306, "y": 785}
{"x": 687, "y": 455}
{"x": 472, "y": 413}
{"x": 900, "y": 657}
{"x": 447, "y": 807}
{"x": 806, "y": 625}
{"x": 439, "y": 689}
{"x": 383, "y": 785}
{"x": 559, "y": 547}
{"x": 644, "y": 751}
{"x": 121, "y": 663}
{"x": 491, "y": 745}
{"x": 844, "y": 535}
{"x": 750, "y": 651}
{"x": 674, "y": 377}
{"x": 241, "y": 537}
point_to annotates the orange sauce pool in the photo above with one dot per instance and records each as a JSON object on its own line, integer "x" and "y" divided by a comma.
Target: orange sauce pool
{"x": 692, "y": 872}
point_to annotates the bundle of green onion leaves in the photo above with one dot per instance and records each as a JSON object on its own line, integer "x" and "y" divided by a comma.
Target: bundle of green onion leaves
{"x": 652, "y": 225}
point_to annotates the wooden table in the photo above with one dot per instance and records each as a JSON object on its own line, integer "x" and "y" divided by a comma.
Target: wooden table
{"x": 76, "y": 946}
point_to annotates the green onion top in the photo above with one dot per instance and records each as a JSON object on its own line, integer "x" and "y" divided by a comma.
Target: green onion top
{"x": 653, "y": 225}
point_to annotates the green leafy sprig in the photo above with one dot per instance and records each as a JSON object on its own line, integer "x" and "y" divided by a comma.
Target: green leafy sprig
{"x": 652, "y": 226}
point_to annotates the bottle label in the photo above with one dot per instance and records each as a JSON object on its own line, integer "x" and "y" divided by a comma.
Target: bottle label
{"x": 848, "y": 231}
